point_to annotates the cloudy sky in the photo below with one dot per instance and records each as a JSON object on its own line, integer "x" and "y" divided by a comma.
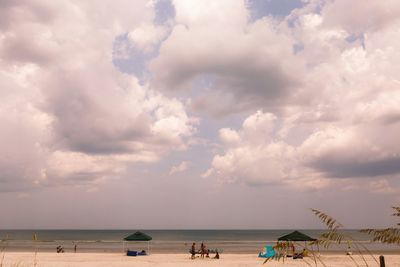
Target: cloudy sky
{"x": 198, "y": 114}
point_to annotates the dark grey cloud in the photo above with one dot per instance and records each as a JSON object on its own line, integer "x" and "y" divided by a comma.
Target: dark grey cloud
{"x": 390, "y": 117}
{"x": 240, "y": 87}
{"x": 77, "y": 121}
{"x": 267, "y": 81}
{"x": 238, "y": 82}
{"x": 37, "y": 11}
{"x": 23, "y": 25}
{"x": 95, "y": 118}
{"x": 343, "y": 167}
{"x": 23, "y": 48}
{"x": 83, "y": 179}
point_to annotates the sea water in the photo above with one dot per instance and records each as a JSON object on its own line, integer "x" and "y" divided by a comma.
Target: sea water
{"x": 168, "y": 241}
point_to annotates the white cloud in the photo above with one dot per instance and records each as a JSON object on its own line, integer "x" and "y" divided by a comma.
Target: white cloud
{"x": 362, "y": 16}
{"x": 80, "y": 121}
{"x": 257, "y": 158}
{"x": 183, "y": 166}
{"x": 229, "y": 136}
{"x": 382, "y": 186}
{"x": 242, "y": 59}
{"x": 330, "y": 107}
{"x": 147, "y": 36}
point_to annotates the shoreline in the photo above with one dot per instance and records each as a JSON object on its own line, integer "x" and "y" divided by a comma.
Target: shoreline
{"x": 98, "y": 251}
{"x": 175, "y": 247}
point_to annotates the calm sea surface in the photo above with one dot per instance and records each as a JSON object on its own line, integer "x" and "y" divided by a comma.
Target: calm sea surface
{"x": 164, "y": 241}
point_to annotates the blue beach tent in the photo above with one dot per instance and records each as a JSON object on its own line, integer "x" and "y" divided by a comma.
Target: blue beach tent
{"x": 269, "y": 252}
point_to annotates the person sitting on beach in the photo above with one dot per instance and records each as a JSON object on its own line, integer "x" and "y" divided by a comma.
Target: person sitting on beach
{"x": 60, "y": 249}
{"x": 193, "y": 250}
{"x": 348, "y": 252}
{"x": 304, "y": 253}
{"x": 216, "y": 255}
{"x": 293, "y": 248}
{"x": 206, "y": 251}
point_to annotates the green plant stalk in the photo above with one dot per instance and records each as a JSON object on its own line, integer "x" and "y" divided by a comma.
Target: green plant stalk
{"x": 333, "y": 236}
{"x": 315, "y": 256}
{"x": 2, "y": 251}
{"x": 351, "y": 257}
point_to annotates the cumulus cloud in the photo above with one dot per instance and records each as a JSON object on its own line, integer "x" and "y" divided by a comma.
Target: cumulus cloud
{"x": 80, "y": 120}
{"x": 363, "y": 16}
{"x": 183, "y": 166}
{"x": 268, "y": 63}
{"x": 146, "y": 37}
{"x": 115, "y": 118}
{"x": 327, "y": 84}
{"x": 257, "y": 157}
{"x": 24, "y": 134}
{"x": 348, "y": 153}
{"x": 243, "y": 60}
{"x": 348, "y": 130}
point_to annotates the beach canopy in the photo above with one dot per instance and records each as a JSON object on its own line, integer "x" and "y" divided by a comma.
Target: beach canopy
{"x": 296, "y": 236}
{"x": 138, "y": 236}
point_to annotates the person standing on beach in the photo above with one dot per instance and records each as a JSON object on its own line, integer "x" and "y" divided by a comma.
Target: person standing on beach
{"x": 193, "y": 250}
{"x": 202, "y": 250}
{"x": 75, "y": 248}
{"x": 293, "y": 248}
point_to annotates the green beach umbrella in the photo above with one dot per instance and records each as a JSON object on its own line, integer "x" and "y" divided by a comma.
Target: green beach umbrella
{"x": 296, "y": 236}
{"x": 138, "y": 236}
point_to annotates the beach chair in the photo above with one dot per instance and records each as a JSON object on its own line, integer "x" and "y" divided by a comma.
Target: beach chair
{"x": 131, "y": 253}
{"x": 297, "y": 256}
{"x": 215, "y": 250}
{"x": 269, "y": 252}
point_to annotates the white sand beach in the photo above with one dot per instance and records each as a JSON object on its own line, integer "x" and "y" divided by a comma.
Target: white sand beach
{"x": 170, "y": 260}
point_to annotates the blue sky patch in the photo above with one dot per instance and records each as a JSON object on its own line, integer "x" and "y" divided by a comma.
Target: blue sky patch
{"x": 276, "y": 8}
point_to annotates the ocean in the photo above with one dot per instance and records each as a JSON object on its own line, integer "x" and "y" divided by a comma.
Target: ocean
{"x": 166, "y": 241}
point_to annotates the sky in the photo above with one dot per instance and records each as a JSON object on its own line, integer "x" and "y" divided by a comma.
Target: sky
{"x": 177, "y": 114}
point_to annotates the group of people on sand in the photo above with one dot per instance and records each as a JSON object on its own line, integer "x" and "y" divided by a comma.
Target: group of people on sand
{"x": 60, "y": 249}
{"x": 203, "y": 251}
